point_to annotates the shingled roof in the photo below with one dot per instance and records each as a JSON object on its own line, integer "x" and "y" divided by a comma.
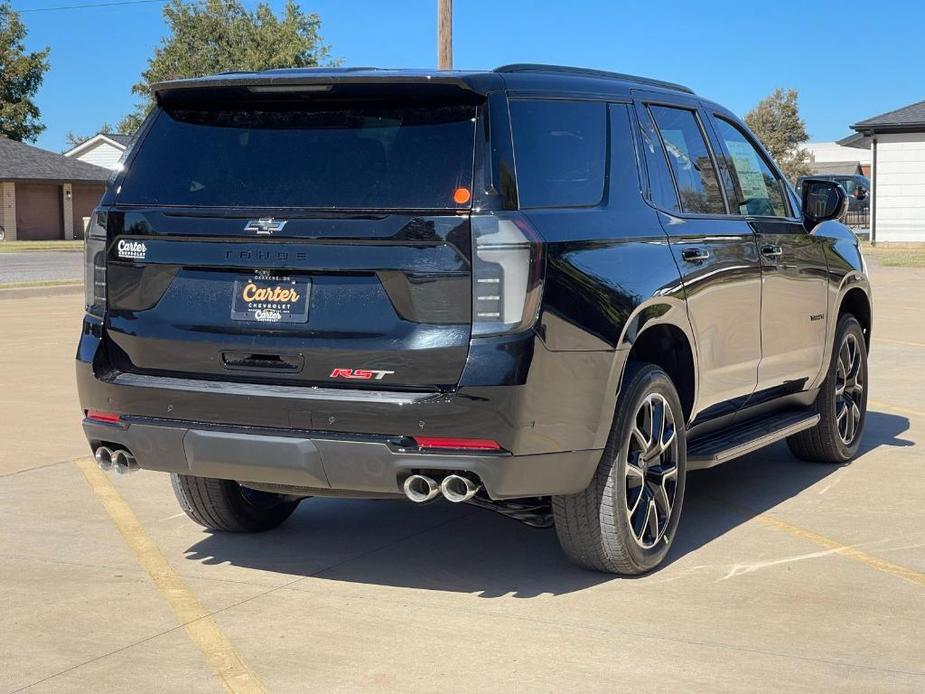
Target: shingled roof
{"x": 123, "y": 140}
{"x": 836, "y": 167}
{"x": 911, "y": 117}
{"x": 21, "y": 162}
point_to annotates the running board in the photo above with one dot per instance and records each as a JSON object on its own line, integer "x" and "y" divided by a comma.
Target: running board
{"x": 749, "y": 436}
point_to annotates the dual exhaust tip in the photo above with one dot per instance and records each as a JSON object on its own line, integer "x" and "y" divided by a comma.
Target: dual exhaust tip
{"x": 117, "y": 459}
{"x": 455, "y": 488}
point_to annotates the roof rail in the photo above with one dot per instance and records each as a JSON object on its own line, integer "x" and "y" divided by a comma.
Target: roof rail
{"x": 587, "y": 72}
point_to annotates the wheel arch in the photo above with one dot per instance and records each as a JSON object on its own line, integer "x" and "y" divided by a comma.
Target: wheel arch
{"x": 666, "y": 346}
{"x": 857, "y": 302}
{"x": 850, "y": 295}
{"x": 659, "y": 333}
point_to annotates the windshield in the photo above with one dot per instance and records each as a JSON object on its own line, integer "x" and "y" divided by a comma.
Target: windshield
{"x": 849, "y": 184}
{"x": 359, "y": 155}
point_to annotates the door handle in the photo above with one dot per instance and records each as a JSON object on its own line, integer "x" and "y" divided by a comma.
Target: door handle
{"x": 771, "y": 251}
{"x": 695, "y": 255}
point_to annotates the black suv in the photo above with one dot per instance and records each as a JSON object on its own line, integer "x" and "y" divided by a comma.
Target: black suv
{"x": 546, "y": 291}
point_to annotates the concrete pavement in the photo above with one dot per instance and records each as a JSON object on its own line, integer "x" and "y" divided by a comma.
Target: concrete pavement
{"x": 784, "y": 574}
{"x": 45, "y": 266}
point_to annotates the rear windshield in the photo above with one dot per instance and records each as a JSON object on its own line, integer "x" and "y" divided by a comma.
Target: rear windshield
{"x": 361, "y": 156}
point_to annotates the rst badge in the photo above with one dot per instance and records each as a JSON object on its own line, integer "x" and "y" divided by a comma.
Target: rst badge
{"x": 360, "y": 374}
{"x": 265, "y": 225}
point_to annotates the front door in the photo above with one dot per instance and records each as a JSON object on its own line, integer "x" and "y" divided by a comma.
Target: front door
{"x": 793, "y": 268}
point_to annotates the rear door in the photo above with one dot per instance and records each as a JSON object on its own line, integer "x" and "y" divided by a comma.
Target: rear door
{"x": 312, "y": 243}
{"x": 793, "y": 266}
{"x": 717, "y": 255}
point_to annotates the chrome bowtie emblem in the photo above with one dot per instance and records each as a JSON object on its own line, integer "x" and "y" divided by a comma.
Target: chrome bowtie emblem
{"x": 265, "y": 225}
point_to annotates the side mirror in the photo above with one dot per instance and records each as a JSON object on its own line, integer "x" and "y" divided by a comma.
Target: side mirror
{"x": 822, "y": 200}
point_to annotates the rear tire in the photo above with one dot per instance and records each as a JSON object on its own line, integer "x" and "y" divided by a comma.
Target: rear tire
{"x": 226, "y": 505}
{"x": 610, "y": 526}
{"x": 841, "y": 403}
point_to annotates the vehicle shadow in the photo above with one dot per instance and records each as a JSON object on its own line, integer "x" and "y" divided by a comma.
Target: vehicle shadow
{"x": 458, "y": 548}
{"x": 719, "y": 499}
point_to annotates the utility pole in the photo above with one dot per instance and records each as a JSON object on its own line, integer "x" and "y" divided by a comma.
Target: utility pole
{"x": 445, "y": 34}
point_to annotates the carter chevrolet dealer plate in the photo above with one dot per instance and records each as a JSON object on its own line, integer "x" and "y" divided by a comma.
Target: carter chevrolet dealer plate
{"x": 271, "y": 299}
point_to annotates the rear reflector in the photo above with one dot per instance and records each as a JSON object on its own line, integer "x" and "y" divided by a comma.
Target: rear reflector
{"x": 107, "y": 417}
{"x": 450, "y": 443}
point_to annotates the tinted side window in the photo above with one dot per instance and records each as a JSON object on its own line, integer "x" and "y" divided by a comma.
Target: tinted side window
{"x": 689, "y": 158}
{"x": 758, "y": 190}
{"x": 559, "y": 148}
{"x": 661, "y": 188}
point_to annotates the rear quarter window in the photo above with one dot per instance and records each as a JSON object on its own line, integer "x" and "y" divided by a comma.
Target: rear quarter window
{"x": 560, "y": 150}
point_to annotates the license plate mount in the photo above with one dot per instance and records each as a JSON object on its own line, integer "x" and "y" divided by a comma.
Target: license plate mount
{"x": 271, "y": 298}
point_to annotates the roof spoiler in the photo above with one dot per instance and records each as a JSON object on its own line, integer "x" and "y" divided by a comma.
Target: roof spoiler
{"x": 304, "y": 82}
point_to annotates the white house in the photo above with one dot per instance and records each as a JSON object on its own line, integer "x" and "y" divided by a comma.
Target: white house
{"x": 896, "y": 142}
{"x": 835, "y": 157}
{"x": 103, "y": 149}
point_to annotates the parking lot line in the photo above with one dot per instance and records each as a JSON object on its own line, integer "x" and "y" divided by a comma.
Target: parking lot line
{"x": 847, "y": 551}
{"x": 896, "y": 408}
{"x": 907, "y": 343}
{"x": 231, "y": 669}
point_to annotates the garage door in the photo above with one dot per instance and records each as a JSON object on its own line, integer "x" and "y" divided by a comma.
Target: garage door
{"x": 38, "y": 212}
{"x": 86, "y": 196}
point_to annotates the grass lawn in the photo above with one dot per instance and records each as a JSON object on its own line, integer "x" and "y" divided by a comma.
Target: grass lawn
{"x": 29, "y": 246}
{"x": 891, "y": 256}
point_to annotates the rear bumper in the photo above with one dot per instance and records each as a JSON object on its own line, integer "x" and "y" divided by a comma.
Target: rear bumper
{"x": 324, "y": 463}
{"x": 551, "y": 410}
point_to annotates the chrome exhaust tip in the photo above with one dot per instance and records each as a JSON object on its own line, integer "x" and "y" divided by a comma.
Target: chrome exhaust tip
{"x": 420, "y": 488}
{"x": 457, "y": 488}
{"x": 103, "y": 458}
{"x": 124, "y": 462}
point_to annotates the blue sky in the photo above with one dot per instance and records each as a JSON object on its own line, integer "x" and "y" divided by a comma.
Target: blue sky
{"x": 847, "y": 60}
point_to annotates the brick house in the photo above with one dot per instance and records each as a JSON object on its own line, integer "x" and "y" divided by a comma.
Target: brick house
{"x": 44, "y": 195}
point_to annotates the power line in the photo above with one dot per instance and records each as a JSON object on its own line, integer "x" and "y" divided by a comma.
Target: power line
{"x": 89, "y": 5}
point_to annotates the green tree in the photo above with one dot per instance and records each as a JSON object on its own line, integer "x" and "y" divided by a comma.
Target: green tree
{"x": 21, "y": 76}
{"x": 209, "y": 36}
{"x": 777, "y": 123}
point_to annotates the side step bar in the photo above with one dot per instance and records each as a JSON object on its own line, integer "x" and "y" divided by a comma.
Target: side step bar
{"x": 746, "y": 437}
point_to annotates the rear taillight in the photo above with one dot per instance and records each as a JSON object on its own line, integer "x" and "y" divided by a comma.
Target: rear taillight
{"x": 507, "y": 273}
{"x": 95, "y": 264}
{"x": 456, "y": 444}
{"x": 105, "y": 417}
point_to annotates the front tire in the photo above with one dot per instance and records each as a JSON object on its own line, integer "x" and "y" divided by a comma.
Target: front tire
{"x": 626, "y": 519}
{"x": 842, "y": 401}
{"x": 226, "y": 505}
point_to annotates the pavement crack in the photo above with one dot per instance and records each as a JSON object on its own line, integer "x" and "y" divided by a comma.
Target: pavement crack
{"x": 32, "y": 469}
